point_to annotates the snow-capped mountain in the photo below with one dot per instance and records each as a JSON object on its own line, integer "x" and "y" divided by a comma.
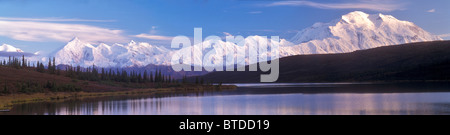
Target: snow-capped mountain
{"x": 77, "y": 52}
{"x": 7, "y": 51}
{"x": 227, "y": 48}
{"x": 355, "y": 31}
{"x": 9, "y": 48}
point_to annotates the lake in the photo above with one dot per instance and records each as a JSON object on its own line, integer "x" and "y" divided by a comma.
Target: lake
{"x": 265, "y": 99}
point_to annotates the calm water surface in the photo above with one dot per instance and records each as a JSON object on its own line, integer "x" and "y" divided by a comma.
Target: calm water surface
{"x": 273, "y": 99}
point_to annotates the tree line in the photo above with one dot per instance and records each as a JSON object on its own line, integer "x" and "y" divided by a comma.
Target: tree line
{"x": 93, "y": 73}
{"x": 24, "y": 63}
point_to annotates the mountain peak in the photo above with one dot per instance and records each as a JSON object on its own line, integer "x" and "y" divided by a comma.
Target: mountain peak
{"x": 5, "y": 45}
{"x": 356, "y": 13}
{"x": 75, "y": 43}
{"x": 132, "y": 42}
{"x": 359, "y": 17}
{"x": 74, "y": 39}
{"x": 355, "y": 17}
{"x": 383, "y": 17}
{"x": 9, "y": 48}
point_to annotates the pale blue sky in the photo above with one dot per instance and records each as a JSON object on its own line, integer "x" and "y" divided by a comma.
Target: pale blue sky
{"x": 46, "y": 25}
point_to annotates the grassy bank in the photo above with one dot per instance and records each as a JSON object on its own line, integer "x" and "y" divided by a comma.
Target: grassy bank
{"x": 7, "y": 101}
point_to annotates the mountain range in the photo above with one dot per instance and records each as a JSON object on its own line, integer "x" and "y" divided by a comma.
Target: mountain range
{"x": 353, "y": 31}
{"x": 77, "y": 52}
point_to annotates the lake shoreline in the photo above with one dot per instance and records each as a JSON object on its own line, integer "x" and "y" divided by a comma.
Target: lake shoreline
{"x": 7, "y": 101}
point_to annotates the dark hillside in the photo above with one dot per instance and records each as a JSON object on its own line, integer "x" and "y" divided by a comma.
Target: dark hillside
{"x": 406, "y": 62}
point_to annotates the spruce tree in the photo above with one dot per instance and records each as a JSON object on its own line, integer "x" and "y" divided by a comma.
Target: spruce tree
{"x": 109, "y": 74}
{"x": 140, "y": 78}
{"x": 54, "y": 65}
{"x": 151, "y": 77}
{"x": 37, "y": 67}
{"x": 24, "y": 64}
{"x": 145, "y": 76}
{"x": 103, "y": 74}
{"x": 49, "y": 66}
{"x": 159, "y": 76}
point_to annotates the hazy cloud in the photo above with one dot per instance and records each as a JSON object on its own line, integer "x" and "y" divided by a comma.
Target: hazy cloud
{"x": 49, "y": 31}
{"x": 51, "y": 19}
{"x": 153, "y": 37}
{"x": 431, "y": 10}
{"x": 381, "y": 5}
